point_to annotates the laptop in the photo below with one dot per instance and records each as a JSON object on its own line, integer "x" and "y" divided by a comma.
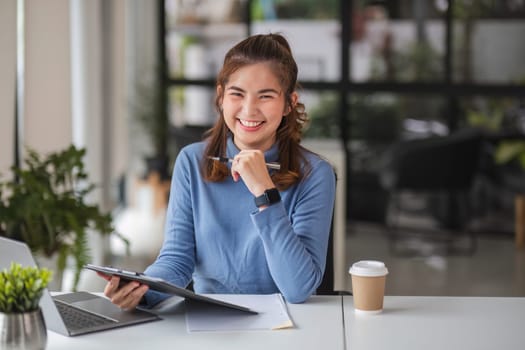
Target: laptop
{"x": 76, "y": 313}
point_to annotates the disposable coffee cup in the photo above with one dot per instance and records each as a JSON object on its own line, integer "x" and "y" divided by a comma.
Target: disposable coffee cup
{"x": 368, "y": 286}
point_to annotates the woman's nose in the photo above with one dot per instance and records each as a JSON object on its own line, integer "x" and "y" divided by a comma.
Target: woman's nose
{"x": 249, "y": 107}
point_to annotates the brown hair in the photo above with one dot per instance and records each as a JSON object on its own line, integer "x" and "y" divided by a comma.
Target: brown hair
{"x": 275, "y": 50}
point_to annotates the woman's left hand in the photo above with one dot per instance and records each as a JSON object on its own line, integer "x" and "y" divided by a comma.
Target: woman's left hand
{"x": 250, "y": 166}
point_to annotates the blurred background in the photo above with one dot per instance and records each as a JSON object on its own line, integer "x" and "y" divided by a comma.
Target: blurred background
{"x": 419, "y": 105}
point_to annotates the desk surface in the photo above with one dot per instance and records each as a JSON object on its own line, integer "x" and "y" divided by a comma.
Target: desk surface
{"x": 318, "y": 325}
{"x": 438, "y": 323}
{"x": 406, "y": 323}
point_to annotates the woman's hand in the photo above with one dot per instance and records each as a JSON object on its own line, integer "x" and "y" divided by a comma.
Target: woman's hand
{"x": 250, "y": 166}
{"x": 128, "y": 296}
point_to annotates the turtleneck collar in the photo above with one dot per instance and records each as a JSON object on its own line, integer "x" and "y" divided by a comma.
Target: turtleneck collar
{"x": 271, "y": 155}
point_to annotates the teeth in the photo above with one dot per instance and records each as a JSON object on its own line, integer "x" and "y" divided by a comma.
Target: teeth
{"x": 250, "y": 124}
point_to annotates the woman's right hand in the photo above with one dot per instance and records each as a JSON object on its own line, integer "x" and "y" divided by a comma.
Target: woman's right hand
{"x": 127, "y": 296}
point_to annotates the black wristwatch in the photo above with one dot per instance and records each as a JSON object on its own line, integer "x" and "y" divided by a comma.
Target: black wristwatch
{"x": 269, "y": 197}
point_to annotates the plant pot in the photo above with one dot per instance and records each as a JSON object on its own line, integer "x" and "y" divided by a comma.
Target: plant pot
{"x": 23, "y": 331}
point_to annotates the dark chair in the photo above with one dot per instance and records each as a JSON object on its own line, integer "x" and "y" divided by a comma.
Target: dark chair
{"x": 327, "y": 283}
{"x": 441, "y": 171}
{"x": 186, "y": 135}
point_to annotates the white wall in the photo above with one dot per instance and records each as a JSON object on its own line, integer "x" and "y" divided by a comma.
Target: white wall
{"x": 47, "y": 125}
{"x": 7, "y": 82}
{"x": 47, "y": 97}
{"x": 76, "y": 77}
{"x": 119, "y": 108}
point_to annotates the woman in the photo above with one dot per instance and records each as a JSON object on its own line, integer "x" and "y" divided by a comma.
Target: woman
{"x": 238, "y": 226}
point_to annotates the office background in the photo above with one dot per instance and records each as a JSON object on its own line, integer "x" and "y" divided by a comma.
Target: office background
{"x": 373, "y": 73}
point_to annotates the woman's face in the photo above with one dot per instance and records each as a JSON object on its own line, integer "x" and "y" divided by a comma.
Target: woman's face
{"x": 253, "y": 106}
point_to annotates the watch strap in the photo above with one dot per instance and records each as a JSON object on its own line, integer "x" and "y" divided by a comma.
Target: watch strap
{"x": 269, "y": 197}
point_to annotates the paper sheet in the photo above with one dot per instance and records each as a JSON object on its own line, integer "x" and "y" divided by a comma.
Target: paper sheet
{"x": 271, "y": 308}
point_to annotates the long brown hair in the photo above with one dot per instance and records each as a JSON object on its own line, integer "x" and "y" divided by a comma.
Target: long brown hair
{"x": 274, "y": 50}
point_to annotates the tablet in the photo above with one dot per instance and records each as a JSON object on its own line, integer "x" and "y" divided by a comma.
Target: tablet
{"x": 160, "y": 285}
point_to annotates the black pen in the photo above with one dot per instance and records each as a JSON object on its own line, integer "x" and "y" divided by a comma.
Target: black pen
{"x": 276, "y": 166}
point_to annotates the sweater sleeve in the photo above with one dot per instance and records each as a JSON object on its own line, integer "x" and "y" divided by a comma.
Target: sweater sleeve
{"x": 176, "y": 260}
{"x": 295, "y": 244}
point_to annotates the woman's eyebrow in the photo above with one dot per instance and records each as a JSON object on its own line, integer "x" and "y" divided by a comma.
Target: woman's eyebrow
{"x": 263, "y": 91}
{"x": 236, "y": 88}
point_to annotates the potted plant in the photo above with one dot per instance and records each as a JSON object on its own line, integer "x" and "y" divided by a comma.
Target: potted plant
{"x": 44, "y": 205}
{"x": 21, "y": 321}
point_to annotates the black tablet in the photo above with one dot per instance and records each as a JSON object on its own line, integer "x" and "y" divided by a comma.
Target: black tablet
{"x": 163, "y": 286}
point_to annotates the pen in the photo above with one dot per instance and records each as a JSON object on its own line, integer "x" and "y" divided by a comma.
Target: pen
{"x": 276, "y": 166}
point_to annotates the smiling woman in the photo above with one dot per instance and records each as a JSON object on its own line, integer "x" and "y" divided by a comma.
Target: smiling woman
{"x": 241, "y": 226}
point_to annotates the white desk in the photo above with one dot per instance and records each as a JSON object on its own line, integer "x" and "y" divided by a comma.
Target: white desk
{"x": 438, "y": 323}
{"x": 318, "y": 325}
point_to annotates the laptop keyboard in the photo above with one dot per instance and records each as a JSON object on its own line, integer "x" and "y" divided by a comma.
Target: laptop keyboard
{"x": 77, "y": 319}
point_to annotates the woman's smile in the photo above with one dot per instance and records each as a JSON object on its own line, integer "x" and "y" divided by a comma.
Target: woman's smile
{"x": 250, "y": 125}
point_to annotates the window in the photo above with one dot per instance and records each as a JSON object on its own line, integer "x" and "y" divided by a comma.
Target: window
{"x": 373, "y": 72}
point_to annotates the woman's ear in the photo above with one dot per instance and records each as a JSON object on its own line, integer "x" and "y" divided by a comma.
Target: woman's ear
{"x": 294, "y": 97}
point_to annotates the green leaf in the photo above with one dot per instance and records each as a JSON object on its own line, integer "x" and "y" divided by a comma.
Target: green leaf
{"x": 508, "y": 151}
{"x": 44, "y": 205}
{"x": 21, "y": 287}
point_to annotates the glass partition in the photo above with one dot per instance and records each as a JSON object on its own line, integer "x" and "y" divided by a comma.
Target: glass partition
{"x": 415, "y": 69}
{"x": 198, "y": 34}
{"x": 397, "y": 41}
{"x": 488, "y": 41}
{"x": 311, "y": 27}
{"x": 323, "y": 114}
{"x": 191, "y": 105}
{"x": 377, "y": 122}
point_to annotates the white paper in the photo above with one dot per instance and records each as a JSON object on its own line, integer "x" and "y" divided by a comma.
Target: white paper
{"x": 271, "y": 308}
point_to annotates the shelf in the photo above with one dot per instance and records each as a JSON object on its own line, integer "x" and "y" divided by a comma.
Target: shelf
{"x": 211, "y": 30}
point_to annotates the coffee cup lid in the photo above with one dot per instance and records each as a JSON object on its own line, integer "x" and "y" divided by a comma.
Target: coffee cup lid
{"x": 368, "y": 268}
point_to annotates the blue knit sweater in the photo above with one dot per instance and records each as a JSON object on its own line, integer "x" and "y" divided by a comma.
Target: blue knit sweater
{"x": 216, "y": 236}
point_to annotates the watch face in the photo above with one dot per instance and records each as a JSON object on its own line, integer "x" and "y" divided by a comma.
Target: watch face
{"x": 269, "y": 197}
{"x": 273, "y": 195}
